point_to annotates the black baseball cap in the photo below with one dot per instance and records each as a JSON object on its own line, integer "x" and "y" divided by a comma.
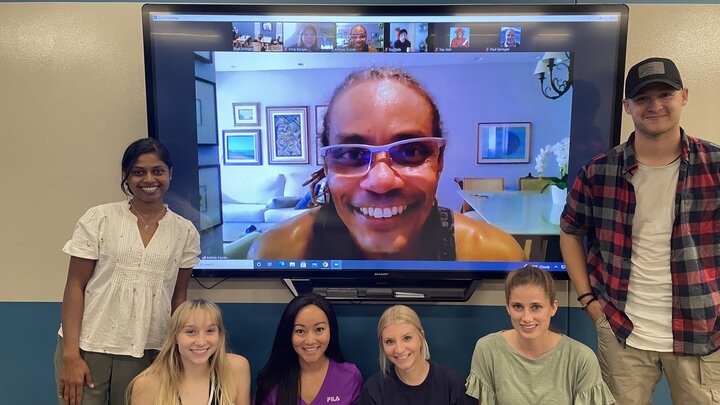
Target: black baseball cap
{"x": 652, "y": 70}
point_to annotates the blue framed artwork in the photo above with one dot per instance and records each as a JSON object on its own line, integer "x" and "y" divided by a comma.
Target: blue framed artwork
{"x": 242, "y": 147}
{"x": 503, "y": 142}
{"x": 287, "y": 132}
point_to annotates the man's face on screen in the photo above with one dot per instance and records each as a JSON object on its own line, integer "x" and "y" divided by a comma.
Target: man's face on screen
{"x": 510, "y": 37}
{"x": 385, "y": 207}
{"x": 358, "y": 36}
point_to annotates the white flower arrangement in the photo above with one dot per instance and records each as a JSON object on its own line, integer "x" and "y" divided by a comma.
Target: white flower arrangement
{"x": 561, "y": 150}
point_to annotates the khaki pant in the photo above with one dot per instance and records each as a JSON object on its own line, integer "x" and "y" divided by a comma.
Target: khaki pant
{"x": 111, "y": 373}
{"x": 633, "y": 373}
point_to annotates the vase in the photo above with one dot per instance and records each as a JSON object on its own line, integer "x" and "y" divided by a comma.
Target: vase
{"x": 558, "y": 195}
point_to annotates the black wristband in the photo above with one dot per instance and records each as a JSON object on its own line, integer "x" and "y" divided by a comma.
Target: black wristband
{"x": 581, "y": 296}
{"x": 588, "y": 303}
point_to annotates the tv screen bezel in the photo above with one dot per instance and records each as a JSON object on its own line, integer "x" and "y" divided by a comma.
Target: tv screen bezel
{"x": 379, "y": 10}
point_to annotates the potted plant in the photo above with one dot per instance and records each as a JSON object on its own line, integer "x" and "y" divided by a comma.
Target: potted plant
{"x": 558, "y": 185}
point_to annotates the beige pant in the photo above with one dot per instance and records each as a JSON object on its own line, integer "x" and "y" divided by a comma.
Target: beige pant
{"x": 633, "y": 373}
{"x": 111, "y": 373}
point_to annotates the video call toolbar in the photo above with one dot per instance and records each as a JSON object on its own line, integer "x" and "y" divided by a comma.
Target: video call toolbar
{"x": 377, "y": 265}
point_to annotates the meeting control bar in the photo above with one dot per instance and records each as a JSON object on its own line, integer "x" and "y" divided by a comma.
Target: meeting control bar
{"x": 377, "y": 265}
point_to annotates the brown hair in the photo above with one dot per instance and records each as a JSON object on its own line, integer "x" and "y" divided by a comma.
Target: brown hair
{"x": 530, "y": 275}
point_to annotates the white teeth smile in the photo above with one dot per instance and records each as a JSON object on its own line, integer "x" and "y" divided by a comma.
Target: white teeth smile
{"x": 311, "y": 349}
{"x": 387, "y": 212}
{"x": 149, "y": 189}
{"x": 528, "y": 327}
{"x": 199, "y": 351}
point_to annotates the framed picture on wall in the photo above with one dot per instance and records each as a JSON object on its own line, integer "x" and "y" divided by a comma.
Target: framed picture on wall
{"x": 503, "y": 142}
{"x": 242, "y": 147}
{"x": 209, "y": 180}
{"x": 203, "y": 199}
{"x": 287, "y": 135}
{"x": 320, "y": 111}
{"x": 246, "y": 114}
{"x": 205, "y": 112}
{"x": 320, "y": 160}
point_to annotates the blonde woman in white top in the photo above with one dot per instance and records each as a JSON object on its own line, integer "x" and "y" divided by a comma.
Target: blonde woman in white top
{"x": 194, "y": 366}
{"x": 130, "y": 264}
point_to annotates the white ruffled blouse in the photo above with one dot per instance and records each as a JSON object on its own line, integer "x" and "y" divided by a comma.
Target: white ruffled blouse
{"x": 128, "y": 298}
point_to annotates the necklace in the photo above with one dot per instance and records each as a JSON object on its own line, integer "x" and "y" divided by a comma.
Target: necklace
{"x": 147, "y": 224}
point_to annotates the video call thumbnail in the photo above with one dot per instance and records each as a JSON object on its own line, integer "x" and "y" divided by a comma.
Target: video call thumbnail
{"x": 309, "y": 37}
{"x": 408, "y": 37}
{"x": 251, "y": 36}
{"x": 460, "y": 37}
{"x": 365, "y": 37}
{"x": 510, "y": 36}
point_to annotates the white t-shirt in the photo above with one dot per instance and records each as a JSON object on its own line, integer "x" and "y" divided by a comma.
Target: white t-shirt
{"x": 649, "y": 300}
{"x": 127, "y": 299}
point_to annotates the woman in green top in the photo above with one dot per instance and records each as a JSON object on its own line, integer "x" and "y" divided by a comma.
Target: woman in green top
{"x": 530, "y": 364}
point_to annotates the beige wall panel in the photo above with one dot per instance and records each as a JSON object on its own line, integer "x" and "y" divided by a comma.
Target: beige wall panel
{"x": 689, "y": 34}
{"x": 72, "y": 98}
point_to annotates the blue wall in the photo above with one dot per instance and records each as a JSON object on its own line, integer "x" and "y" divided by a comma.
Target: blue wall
{"x": 28, "y": 341}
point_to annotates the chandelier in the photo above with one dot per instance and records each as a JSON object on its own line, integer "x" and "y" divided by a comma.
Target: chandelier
{"x": 556, "y": 68}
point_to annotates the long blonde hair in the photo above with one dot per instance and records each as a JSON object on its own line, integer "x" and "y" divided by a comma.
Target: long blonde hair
{"x": 398, "y": 314}
{"x": 168, "y": 366}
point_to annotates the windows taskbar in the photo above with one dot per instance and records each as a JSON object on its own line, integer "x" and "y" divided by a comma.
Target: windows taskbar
{"x": 225, "y": 264}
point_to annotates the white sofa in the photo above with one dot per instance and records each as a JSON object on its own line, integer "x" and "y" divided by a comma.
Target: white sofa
{"x": 259, "y": 201}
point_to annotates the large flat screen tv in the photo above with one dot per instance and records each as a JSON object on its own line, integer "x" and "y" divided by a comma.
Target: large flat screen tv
{"x": 250, "y": 102}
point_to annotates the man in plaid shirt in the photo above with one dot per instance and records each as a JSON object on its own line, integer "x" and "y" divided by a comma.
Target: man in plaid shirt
{"x": 650, "y": 280}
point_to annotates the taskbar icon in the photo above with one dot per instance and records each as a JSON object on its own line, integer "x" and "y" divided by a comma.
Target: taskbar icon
{"x": 298, "y": 264}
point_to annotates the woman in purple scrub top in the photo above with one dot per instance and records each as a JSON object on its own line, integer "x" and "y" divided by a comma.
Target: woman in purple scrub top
{"x": 306, "y": 365}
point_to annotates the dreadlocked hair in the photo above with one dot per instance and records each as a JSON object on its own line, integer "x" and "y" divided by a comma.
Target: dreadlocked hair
{"x": 359, "y": 76}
